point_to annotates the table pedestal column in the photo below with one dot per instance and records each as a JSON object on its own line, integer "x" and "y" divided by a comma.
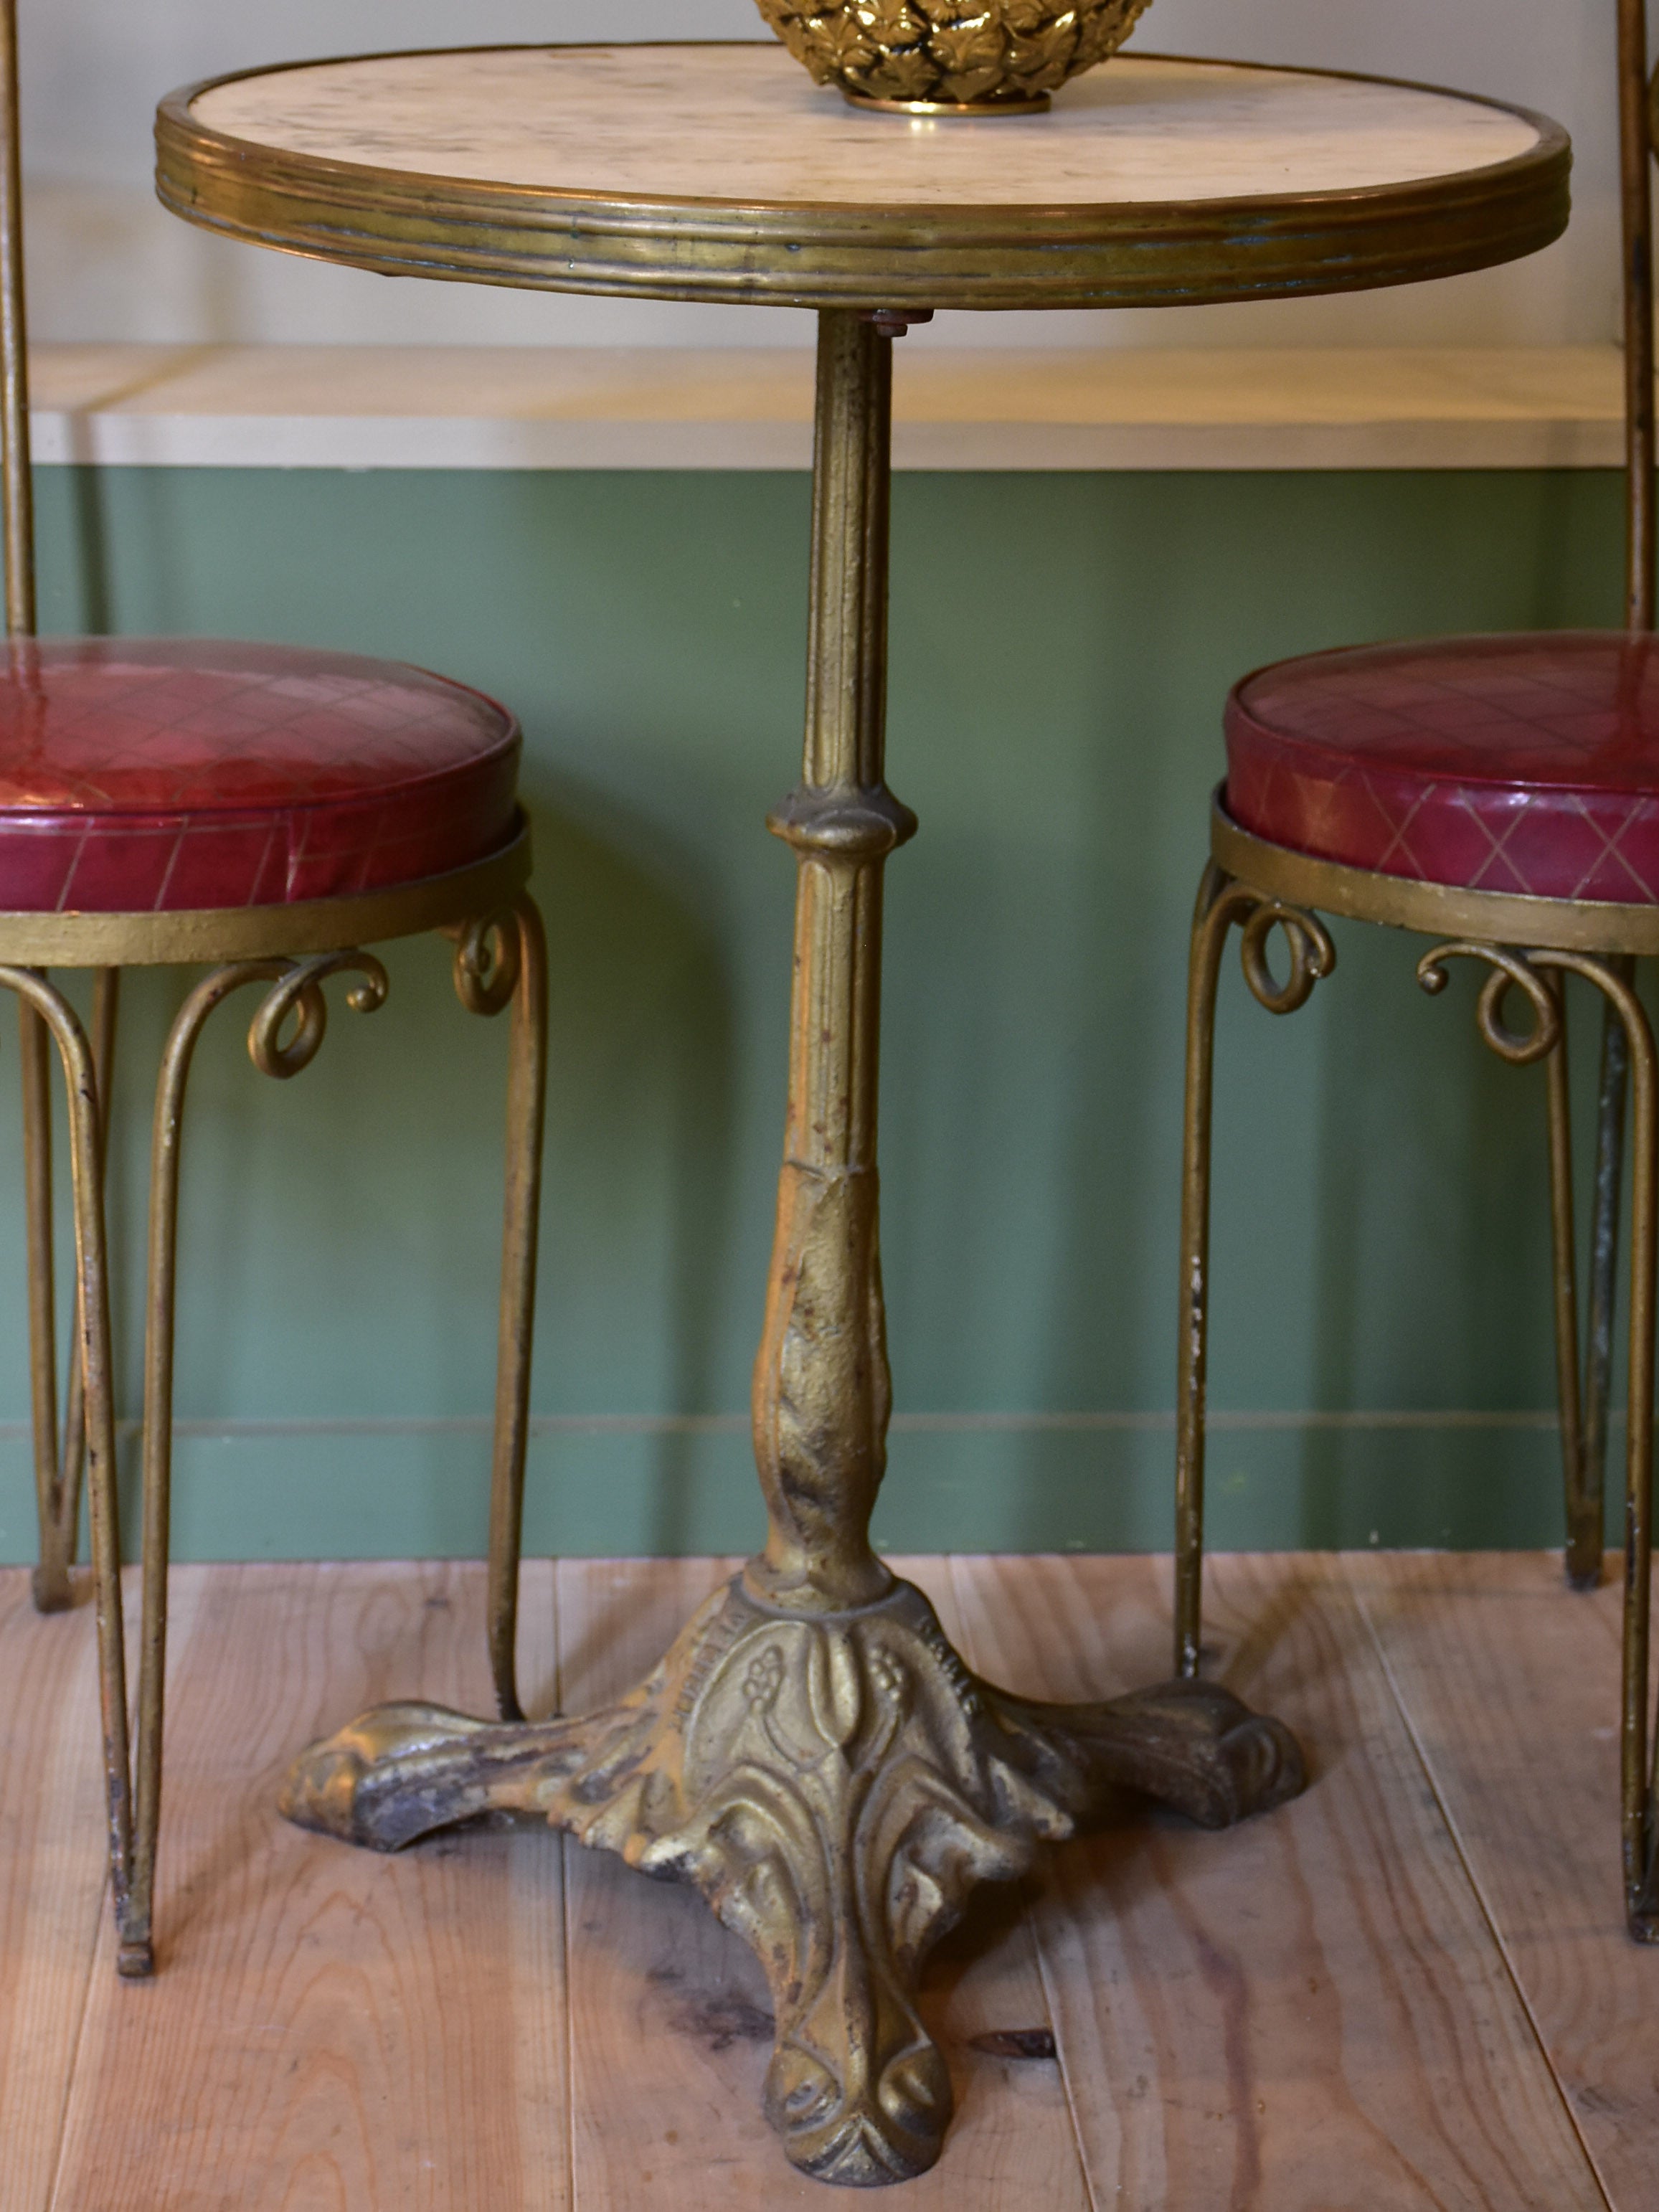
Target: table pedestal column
{"x": 812, "y": 1752}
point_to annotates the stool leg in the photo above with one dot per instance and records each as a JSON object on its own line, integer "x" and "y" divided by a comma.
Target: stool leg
{"x": 57, "y": 1482}
{"x": 298, "y": 991}
{"x": 106, "y": 1008}
{"x": 1565, "y": 1286}
{"x": 1636, "y": 1772}
{"x": 1212, "y": 918}
{"x": 1221, "y": 902}
{"x": 527, "y": 1107}
{"x": 501, "y": 960}
{"x": 1641, "y": 1866}
{"x": 138, "y": 1955}
{"x": 1585, "y": 1564}
{"x": 1611, "y": 978}
{"x": 54, "y": 1013}
{"x": 51, "y": 1581}
{"x": 1583, "y": 1413}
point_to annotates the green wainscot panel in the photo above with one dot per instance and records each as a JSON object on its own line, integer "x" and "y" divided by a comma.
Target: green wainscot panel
{"x": 1062, "y": 646}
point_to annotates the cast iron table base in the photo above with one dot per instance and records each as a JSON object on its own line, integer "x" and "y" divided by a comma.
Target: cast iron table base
{"x": 812, "y": 1752}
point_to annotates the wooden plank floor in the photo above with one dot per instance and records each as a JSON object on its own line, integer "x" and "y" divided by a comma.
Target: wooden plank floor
{"x": 1410, "y": 1990}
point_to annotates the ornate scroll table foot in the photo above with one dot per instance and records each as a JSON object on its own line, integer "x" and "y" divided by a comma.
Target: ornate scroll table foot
{"x": 834, "y": 1784}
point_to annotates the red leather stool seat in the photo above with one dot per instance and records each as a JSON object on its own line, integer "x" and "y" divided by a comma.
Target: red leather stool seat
{"x": 1527, "y": 763}
{"x": 158, "y": 775}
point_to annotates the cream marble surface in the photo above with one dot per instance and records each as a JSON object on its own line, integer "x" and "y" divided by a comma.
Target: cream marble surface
{"x": 523, "y": 407}
{"x": 744, "y": 122}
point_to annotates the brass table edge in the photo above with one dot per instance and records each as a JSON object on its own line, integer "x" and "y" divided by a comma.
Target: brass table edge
{"x": 82, "y": 939}
{"x": 1431, "y": 909}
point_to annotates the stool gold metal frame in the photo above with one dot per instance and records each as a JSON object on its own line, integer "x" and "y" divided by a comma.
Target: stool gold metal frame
{"x": 500, "y": 961}
{"x": 1529, "y": 945}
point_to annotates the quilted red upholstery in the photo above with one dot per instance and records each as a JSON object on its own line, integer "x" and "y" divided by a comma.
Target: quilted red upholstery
{"x": 1527, "y": 763}
{"x": 165, "y": 773}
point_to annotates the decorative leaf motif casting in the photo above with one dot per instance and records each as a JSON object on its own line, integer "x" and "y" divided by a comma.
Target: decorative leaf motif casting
{"x": 836, "y": 1786}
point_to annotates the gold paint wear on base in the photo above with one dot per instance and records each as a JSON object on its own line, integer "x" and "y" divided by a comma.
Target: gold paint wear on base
{"x": 811, "y": 1754}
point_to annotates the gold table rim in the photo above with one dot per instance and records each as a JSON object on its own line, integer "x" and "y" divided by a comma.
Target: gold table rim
{"x": 989, "y": 254}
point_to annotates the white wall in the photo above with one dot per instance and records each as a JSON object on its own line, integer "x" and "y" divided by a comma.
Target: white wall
{"x": 107, "y": 263}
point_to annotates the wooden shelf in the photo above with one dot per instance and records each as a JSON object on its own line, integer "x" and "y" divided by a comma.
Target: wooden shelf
{"x": 421, "y": 407}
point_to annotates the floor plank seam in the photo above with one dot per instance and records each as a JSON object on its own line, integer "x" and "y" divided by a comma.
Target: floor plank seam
{"x": 1045, "y": 1976}
{"x": 1054, "y": 2016}
{"x": 1476, "y": 1886}
{"x": 562, "y": 1852}
{"x": 55, "y": 2184}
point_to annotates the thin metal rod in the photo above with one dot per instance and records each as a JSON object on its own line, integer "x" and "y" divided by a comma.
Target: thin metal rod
{"x": 1585, "y": 1569}
{"x": 298, "y": 991}
{"x": 93, "y": 1333}
{"x": 1636, "y": 1776}
{"x": 1636, "y": 1769}
{"x": 1222, "y": 901}
{"x": 57, "y": 1480}
{"x": 1635, "y": 213}
{"x": 51, "y": 1588}
{"x": 1212, "y": 918}
{"x": 526, "y": 1103}
{"x": 138, "y": 1947}
{"x": 17, "y": 487}
{"x": 106, "y": 1007}
{"x": 1584, "y": 1544}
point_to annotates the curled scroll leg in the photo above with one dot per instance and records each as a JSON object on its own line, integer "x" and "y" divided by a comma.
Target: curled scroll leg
{"x": 1221, "y": 902}
{"x": 835, "y": 1786}
{"x": 285, "y": 1037}
{"x": 501, "y": 961}
{"x": 1534, "y": 975}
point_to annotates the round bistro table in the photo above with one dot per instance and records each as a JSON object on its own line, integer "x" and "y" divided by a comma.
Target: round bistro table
{"x": 812, "y": 1752}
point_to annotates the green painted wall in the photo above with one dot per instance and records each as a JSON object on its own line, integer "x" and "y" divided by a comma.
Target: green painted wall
{"x": 1062, "y": 647}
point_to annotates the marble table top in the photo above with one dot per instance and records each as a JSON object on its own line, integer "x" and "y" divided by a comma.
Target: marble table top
{"x": 732, "y": 150}
{"x": 745, "y": 123}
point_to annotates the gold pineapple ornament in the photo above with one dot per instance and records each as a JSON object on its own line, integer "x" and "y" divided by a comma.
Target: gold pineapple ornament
{"x": 951, "y": 57}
